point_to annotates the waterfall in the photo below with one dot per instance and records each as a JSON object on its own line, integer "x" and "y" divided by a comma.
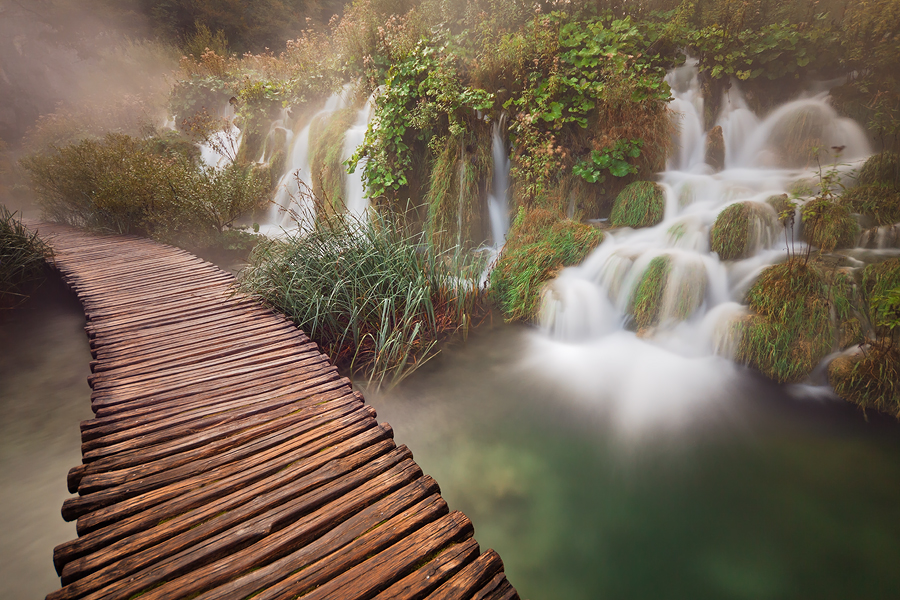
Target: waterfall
{"x": 224, "y": 144}
{"x": 356, "y": 200}
{"x": 498, "y": 199}
{"x": 585, "y": 312}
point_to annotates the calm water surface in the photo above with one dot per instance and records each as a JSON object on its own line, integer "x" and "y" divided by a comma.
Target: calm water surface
{"x": 44, "y": 394}
{"x": 759, "y": 496}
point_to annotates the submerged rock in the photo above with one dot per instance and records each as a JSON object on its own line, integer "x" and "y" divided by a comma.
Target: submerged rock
{"x": 715, "y": 148}
{"x": 640, "y": 204}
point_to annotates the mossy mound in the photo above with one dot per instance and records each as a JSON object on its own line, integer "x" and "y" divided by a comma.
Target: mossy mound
{"x": 792, "y": 328}
{"x": 739, "y": 229}
{"x": 667, "y": 290}
{"x": 881, "y": 169}
{"x": 880, "y": 203}
{"x": 640, "y": 204}
{"x": 870, "y": 379}
{"x": 877, "y": 280}
{"x": 782, "y": 206}
{"x": 828, "y": 225}
{"x": 538, "y": 246}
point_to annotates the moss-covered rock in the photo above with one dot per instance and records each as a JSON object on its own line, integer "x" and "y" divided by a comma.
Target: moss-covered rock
{"x": 828, "y": 225}
{"x": 782, "y": 206}
{"x": 668, "y": 289}
{"x": 870, "y": 379}
{"x": 880, "y": 203}
{"x": 792, "y": 329}
{"x": 797, "y": 133}
{"x": 741, "y": 230}
{"x": 881, "y": 169}
{"x": 640, "y": 204}
{"x": 539, "y": 245}
{"x": 715, "y": 148}
{"x": 877, "y": 280}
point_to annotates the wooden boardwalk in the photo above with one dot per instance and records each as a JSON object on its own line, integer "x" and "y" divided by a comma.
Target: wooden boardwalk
{"x": 228, "y": 459}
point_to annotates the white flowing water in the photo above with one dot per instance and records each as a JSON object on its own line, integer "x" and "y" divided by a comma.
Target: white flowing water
{"x": 291, "y": 209}
{"x": 223, "y": 146}
{"x": 356, "y": 200}
{"x": 498, "y": 199}
{"x": 660, "y": 375}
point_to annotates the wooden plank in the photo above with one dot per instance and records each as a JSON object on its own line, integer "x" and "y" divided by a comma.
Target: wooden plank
{"x": 426, "y": 579}
{"x": 470, "y": 579}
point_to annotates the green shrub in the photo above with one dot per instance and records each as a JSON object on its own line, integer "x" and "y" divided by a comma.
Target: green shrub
{"x": 147, "y": 187}
{"x": 792, "y": 328}
{"x": 738, "y": 229}
{"x": 640, "y": 204}
{"x": 876, "y": 201}
{"x": 22, "y": 259}
{"x": 828, "y": 225}
{"x": 374, "y": 297}
{"x": 539, "y": 245}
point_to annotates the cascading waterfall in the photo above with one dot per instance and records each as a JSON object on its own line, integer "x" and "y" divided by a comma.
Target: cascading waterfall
{"x": 291, "y": 209}
{"x": 356, "y": 200}
{"x": 498, "y": 199}
{"x": 656, "y": 374}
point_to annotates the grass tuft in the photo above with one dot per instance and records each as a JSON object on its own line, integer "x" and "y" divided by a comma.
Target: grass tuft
{"x": 22, "y": 259}
{"x": 879, "y": 202}
{"x": 738, "y": 229}
{"x": 640, "y": 204}
{"x": 828, "y": 225}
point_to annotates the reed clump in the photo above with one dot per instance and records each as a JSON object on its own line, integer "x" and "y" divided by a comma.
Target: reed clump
{"x": 738, "y": 229}
{"x": 792, "y": 328}
{"x": 22, "y": 259}
{"x": 376, "y": 298}
{"x": 539, "y": 245}
{"x": 640, "y": 204}
{"x": 828, "y": 225}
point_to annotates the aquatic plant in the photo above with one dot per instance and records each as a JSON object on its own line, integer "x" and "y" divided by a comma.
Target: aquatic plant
{"x": 828, "y": 225}
{"x": 22, "y": 259}
{"x": 640, "y": 204}
{"x": 737, "y": 231}
{"x": 792, "y": 327}
{"x": 539, "y": 245}
{"x": 375, "y": 297}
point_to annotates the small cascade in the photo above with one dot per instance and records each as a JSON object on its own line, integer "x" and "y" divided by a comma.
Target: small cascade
{"x": 657, "y": 298}
{"x": 356, "y": 200}
{"x": 498, "y": 199}
{"x": 292, "y": 209}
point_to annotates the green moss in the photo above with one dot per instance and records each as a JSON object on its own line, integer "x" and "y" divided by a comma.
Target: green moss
{"x": 879, "y": 202}
{"x": 869, "y": 379}
{"x": 646, "y": 302}
{"x": 326, "y": 150}
{"x": 538, "y": 246}
{"x": 737, "y": 230}
{"x": 781, "y": 204}
{"x": 828, "y": 225}
{"x": 881, "y": 169}
{"x": 640, "y": 204}
{"x": 715, "y": 148}
{"x": 791, "y": 329}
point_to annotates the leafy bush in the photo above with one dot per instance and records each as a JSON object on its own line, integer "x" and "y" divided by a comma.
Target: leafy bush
{"x": 22, "y": 259}
{"x": 640, "y": 204}
{"x": 828, "y": 225}
{"x": 539, "y": 245}
{"x": 373, "y": 296}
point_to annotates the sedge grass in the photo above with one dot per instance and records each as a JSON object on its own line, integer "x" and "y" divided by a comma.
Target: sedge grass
{"x": 374, "y": 297}
{"x": 22, "y": 259}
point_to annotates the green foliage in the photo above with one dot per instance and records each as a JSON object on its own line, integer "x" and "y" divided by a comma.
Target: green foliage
{"x": 22, "y": 259}
{"x": 735, "y": 233}
{"x": 878, "y": 282}
{"x": 792, "y": 328}
{"x": 126, "y": 185}
{"x": 667, "y": 290}
{"x": 881, "y": 169}
{"x": 539, "y": 245}
{"x": 614, "y": 160}
{"x": 640, "y": 204}
{"x": 373, "y": 296}
{"x": 828, "y": 225}
{"x": 879, "y": 202}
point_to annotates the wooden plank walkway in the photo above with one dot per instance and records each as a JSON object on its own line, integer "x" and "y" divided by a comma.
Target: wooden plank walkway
{"x": 229, "y": 459}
